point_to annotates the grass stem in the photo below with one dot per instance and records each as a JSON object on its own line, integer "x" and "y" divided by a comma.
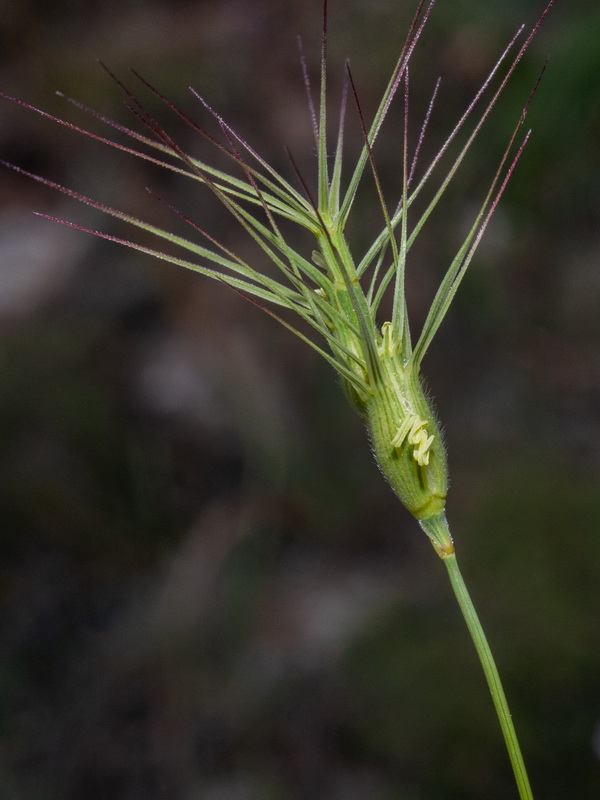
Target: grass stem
{"x": 492, "y": 676}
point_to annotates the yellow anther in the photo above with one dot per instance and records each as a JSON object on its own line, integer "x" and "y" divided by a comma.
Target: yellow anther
{"x": 412, "y": 429}
{"x": 388, "y": 345}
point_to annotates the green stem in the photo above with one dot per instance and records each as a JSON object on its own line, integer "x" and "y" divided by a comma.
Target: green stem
{"x": 491, "y": 675}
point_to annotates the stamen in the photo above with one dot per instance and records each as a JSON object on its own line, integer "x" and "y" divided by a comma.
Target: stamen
{"x": 412, "y": 430}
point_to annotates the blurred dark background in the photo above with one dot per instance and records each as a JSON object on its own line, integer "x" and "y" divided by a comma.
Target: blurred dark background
{"x": 207, "y": 591}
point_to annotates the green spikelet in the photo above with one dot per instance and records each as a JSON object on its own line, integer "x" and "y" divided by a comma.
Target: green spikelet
{"x": 407, "y": 442}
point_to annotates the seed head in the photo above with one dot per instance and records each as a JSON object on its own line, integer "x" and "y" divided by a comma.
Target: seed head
{"x": 338, "y": 295}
